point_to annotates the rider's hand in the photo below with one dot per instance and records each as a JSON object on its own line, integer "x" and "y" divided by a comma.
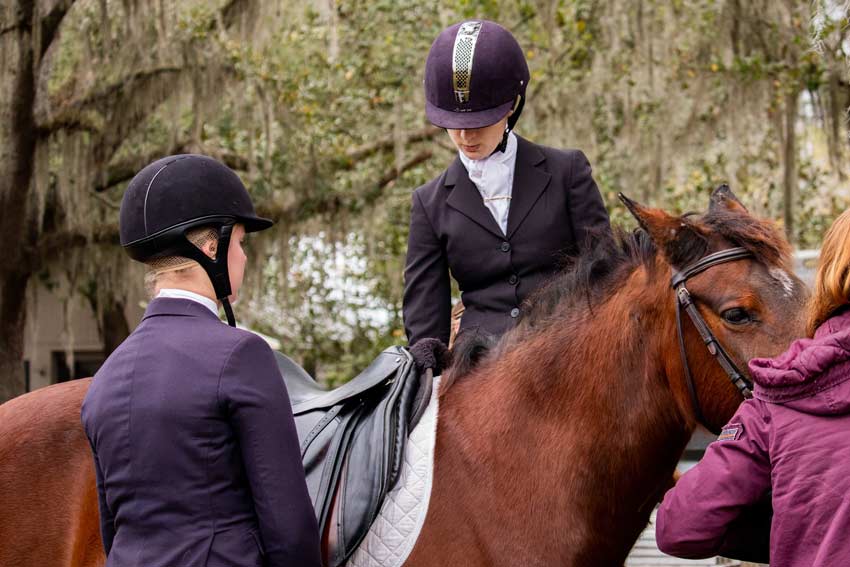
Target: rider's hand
{"x": 431, "y": 353}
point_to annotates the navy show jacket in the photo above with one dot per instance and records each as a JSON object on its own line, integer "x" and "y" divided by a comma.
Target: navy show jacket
{"x": 195, "y": 448}
{"x": 555, "y": 204}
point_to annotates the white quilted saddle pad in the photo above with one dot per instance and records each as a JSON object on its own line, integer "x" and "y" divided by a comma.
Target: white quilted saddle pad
{"x": 395, "y": 530}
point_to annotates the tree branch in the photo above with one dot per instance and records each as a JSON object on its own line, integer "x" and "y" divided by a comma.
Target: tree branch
{"x": 56, "y": 243}
{"x": 69, "y": 113}
{"x": 119, "y": 93}
{"x": 102, "y": 198}
{"x": 233, "y": 10}
{"x": 395, "y": 173}
{"x": 125, "y": 169}
{"x": 11, "y": 28}
{"x": 54, "y": 12}
{"x": 388, "y": 143}
{"x": 329, "y": 205}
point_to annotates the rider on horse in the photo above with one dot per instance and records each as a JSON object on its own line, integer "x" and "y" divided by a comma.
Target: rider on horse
{"x": 504, "y": 214}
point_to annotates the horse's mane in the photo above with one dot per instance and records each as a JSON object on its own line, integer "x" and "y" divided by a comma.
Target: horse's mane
{"x": 607, "y": 259}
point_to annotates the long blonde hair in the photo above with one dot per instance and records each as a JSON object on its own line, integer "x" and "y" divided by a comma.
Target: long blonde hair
{"x": 832, "y": 283}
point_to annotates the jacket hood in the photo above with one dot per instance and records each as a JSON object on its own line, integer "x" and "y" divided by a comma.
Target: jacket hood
{"x": 813, "y": 375}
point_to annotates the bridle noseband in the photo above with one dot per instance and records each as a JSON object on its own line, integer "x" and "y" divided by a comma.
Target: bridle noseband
{"x": 684, "y": 301}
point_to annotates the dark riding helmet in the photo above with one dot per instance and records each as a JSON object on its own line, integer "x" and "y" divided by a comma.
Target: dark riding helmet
{"x": 176, "y": 194}
{"x": 474, "y": 75}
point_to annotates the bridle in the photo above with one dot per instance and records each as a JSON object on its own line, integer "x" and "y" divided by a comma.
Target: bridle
{"x": 684, "y": 301}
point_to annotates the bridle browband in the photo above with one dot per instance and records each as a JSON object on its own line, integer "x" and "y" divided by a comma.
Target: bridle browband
{"x": 684, "y": 301}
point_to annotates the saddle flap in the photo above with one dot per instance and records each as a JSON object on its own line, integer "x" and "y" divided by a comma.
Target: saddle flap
{"x": 373, "y": 461}
{"x": 352, "y": 441}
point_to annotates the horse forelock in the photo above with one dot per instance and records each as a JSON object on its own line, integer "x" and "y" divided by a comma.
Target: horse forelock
{"x": 761, "y": 237}
{"x": 727, "y": 227}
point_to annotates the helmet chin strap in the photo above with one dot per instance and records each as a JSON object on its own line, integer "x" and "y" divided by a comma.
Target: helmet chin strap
{"x": 216, "y": 268}
{"x": 503, "y": 145}
{"x": 228, "y": 311}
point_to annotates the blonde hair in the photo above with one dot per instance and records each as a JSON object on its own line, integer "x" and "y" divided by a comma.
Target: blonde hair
{"x": 832, "y": 283}
{"x": 178, "y": 264}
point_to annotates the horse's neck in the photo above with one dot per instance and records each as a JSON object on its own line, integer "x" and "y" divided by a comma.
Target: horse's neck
{"x": 588, "y": 430}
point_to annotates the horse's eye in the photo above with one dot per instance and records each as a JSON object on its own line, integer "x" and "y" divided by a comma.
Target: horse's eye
{"x": 736, "y": 316}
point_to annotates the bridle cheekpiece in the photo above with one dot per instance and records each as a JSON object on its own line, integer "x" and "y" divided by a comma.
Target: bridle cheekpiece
{"x": 686, "y": 302}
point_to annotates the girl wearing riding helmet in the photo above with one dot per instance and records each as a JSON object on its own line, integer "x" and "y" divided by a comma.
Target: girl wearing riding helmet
{"x": 506, "y": 211}
{"x": 195, "y": 450}
{"x": 788, "y": 443}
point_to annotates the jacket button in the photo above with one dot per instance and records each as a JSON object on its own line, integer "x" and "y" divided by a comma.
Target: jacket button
{"x": 515, "y": 312}
{"x": 506, "y": 246}
{"x": 513, "y": 279}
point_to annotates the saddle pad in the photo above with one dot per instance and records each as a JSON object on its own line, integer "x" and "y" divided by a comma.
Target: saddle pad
{"x": 394, "y": 532}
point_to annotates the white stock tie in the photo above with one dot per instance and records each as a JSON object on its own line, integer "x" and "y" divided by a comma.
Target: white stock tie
{"x": 494, "y": 178}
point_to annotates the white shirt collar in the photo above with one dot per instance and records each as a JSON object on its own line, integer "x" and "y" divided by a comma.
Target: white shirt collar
{"x": 185, "y": 294}
{"x": 494, "y": 178}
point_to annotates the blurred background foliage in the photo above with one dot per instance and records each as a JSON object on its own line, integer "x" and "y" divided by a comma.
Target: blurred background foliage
{"x": 318, "y": 104}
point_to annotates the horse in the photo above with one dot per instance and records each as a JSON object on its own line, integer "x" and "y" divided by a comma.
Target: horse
{"x": 48, "y": 497}
{"x": 553, "y": 443}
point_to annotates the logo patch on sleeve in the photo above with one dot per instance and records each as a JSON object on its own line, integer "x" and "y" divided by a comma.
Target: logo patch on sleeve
{"x": 731, "y": 432}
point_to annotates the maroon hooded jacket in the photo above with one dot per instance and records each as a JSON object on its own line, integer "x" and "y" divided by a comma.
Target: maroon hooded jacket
{"x": 792, "y": 439}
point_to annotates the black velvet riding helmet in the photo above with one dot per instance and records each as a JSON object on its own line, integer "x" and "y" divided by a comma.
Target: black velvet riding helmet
{"x": 475, "y": 74}
{"x": 175, "y": 194}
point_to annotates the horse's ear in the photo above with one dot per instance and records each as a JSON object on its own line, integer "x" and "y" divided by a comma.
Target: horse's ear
{"x": 723, "y": 197}
{"x": 680, "y": 239}
{"x": 660, "y": 226}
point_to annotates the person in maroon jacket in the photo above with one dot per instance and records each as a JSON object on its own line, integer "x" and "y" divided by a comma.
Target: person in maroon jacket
{"x": 789, "y": 442}
{"x": 507, "y": 211}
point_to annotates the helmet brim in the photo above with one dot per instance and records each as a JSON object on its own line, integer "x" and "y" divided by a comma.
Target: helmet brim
{"x": 466, "y": 120}
{"x": 255, "y": 224}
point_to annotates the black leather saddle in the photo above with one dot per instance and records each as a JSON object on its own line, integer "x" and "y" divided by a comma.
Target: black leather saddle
{"x": 352, "y": 441}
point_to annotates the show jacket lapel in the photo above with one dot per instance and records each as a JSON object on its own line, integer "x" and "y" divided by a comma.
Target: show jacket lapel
{"x": 530, "y": 180}
{"x": 464, "y": 197}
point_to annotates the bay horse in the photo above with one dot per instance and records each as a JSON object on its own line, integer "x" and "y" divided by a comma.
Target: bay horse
{"x": 553, "y": 444}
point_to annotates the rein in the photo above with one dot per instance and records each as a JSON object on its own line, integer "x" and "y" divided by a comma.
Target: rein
{"x": 684, "y": 301}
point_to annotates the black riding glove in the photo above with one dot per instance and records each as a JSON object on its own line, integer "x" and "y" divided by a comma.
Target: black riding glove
{"x": 431, "y": 353}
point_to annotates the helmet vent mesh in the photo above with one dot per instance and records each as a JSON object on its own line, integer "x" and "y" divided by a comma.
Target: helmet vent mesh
{"x": 197, "y": 236}
{"x": 464, "y": 49}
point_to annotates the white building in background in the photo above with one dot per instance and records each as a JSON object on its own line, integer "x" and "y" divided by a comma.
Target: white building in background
{"x": 55, "y": 351}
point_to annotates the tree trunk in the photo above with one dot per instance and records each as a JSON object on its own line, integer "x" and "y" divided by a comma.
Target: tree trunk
{"x": 17, "y": 151}
{"x": 789, "y": 158}
{"x": 12, "y": 319}
{"x": 113, "y": 326}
